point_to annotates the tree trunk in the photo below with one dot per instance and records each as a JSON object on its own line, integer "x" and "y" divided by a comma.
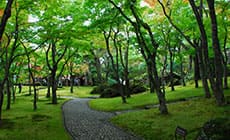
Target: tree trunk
{"x": 8, "y": 94}
{"x": 54, "y": 86}
{"x": 225, "y": 60}
{"x": 161, "y": 96}
{"x": 203, "y": 74}
{"x": 114, "y": 66}
{"x": 29, "y": 84}
{"x": 98, "y": 68}
{"x": 171, "y": 69}
{"x": 182, "y": 68}
{"x": 196, "y": 71}
{"x": 202, "y": 48}
{"x": 71, "y": 82}
{"x": 149, "y": 71}
{"x": 126, "y": 71}
{"x": 13, "y": 91}
{"x": 125, "y": 64}
{"x": 182, "y": 73}
{"x": 225, "y": 76}
{"x": 151, "y": 54}
{"x": 5, "y": 17}
{"x": 217, "y": 55}
{"x": 48, "y": 86}
{"x": 1, "y": 100}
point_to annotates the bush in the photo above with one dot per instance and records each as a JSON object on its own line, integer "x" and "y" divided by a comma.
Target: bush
{"x": 137, "y": 89}
{"x": 216, "y": 129}
{"x": 108, "y": 91}
{"x": 99, "y": 89}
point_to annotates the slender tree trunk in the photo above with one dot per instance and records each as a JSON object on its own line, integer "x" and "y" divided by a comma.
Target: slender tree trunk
{"x": 149, "y": 71}
{"x": 126, "y": 72}
{"x": 48, "y": 86}
{"x": 97, "y": 65}
{"x": 32, "y": 77}
{"x": 163, "y": 82}
{"x": 1, "y": 100}
{"x": 225, "y": 60}
{"x": 29, "y": 84}
{"x": 203, "y": 74}
{"x": 161, "y": 96}
{"x": 13, "y": 91}
{"x": 225, "y": 76}
{"x": 71, "y": 82}
{"x": 8, "y": 94}
{"x": 98, "y": 68}
{"x": 34, "y": 88}
{"x": 182, "y": 68}
{"x": 171, "y": 69}
{"x": 182, "y": 74}
{"x": 124, "y": 62}
{"x": 196, "y": 71}
{"x": 217, "y": 55}
{"x": 115, "y": 66}
{"x": 54, "y": 86}
{"x": 190, "y": 63}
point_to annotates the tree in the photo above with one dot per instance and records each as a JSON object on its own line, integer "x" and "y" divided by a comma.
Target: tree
{"x": 115, "y": 65}
{"x": 6, "y": 16}
{"x": 32, "y": 76}
{"x": 53, "y": 66}
{"x": 149, "y": 53}
{"x": 218, "y": 59}
{"x": 202, "y": 50}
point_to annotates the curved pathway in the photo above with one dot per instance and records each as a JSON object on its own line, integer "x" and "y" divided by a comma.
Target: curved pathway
{"x": 85, "y": 124}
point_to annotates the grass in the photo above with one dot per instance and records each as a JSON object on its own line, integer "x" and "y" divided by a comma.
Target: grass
{"x": 191, "y": 115}
{"x": 46, "y": 123}
{"x": 80, "y": 91}
{"x": 22, "y": 123}
{"x": 141, "y": 100}
{"x": 150, "y": 125}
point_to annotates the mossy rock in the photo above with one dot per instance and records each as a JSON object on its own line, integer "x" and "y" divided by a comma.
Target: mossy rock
{"x": 216, "y": 129}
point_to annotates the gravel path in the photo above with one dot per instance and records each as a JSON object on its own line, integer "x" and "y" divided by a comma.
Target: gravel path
{"x": 85, "y": 124}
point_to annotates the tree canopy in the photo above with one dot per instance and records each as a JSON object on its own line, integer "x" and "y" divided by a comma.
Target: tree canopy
{"x": 115, "y": 42}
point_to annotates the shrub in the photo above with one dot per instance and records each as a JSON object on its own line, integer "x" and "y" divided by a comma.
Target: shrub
{"x": 99, "y": 89}
{"x": 108, "y": 91}
{"x": 216, "y": 129}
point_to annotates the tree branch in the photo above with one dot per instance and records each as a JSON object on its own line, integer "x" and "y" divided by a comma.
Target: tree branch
{"x": 177, "y": 28}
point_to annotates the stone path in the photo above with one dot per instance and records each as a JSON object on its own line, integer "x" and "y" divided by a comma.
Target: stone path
{"x": 85, "y": 124}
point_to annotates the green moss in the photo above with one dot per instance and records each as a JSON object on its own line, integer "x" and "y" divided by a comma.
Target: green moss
{"x": 141, "y": 100}
{"x": 190, "y": 115}
{"x": 22, "y": 123}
